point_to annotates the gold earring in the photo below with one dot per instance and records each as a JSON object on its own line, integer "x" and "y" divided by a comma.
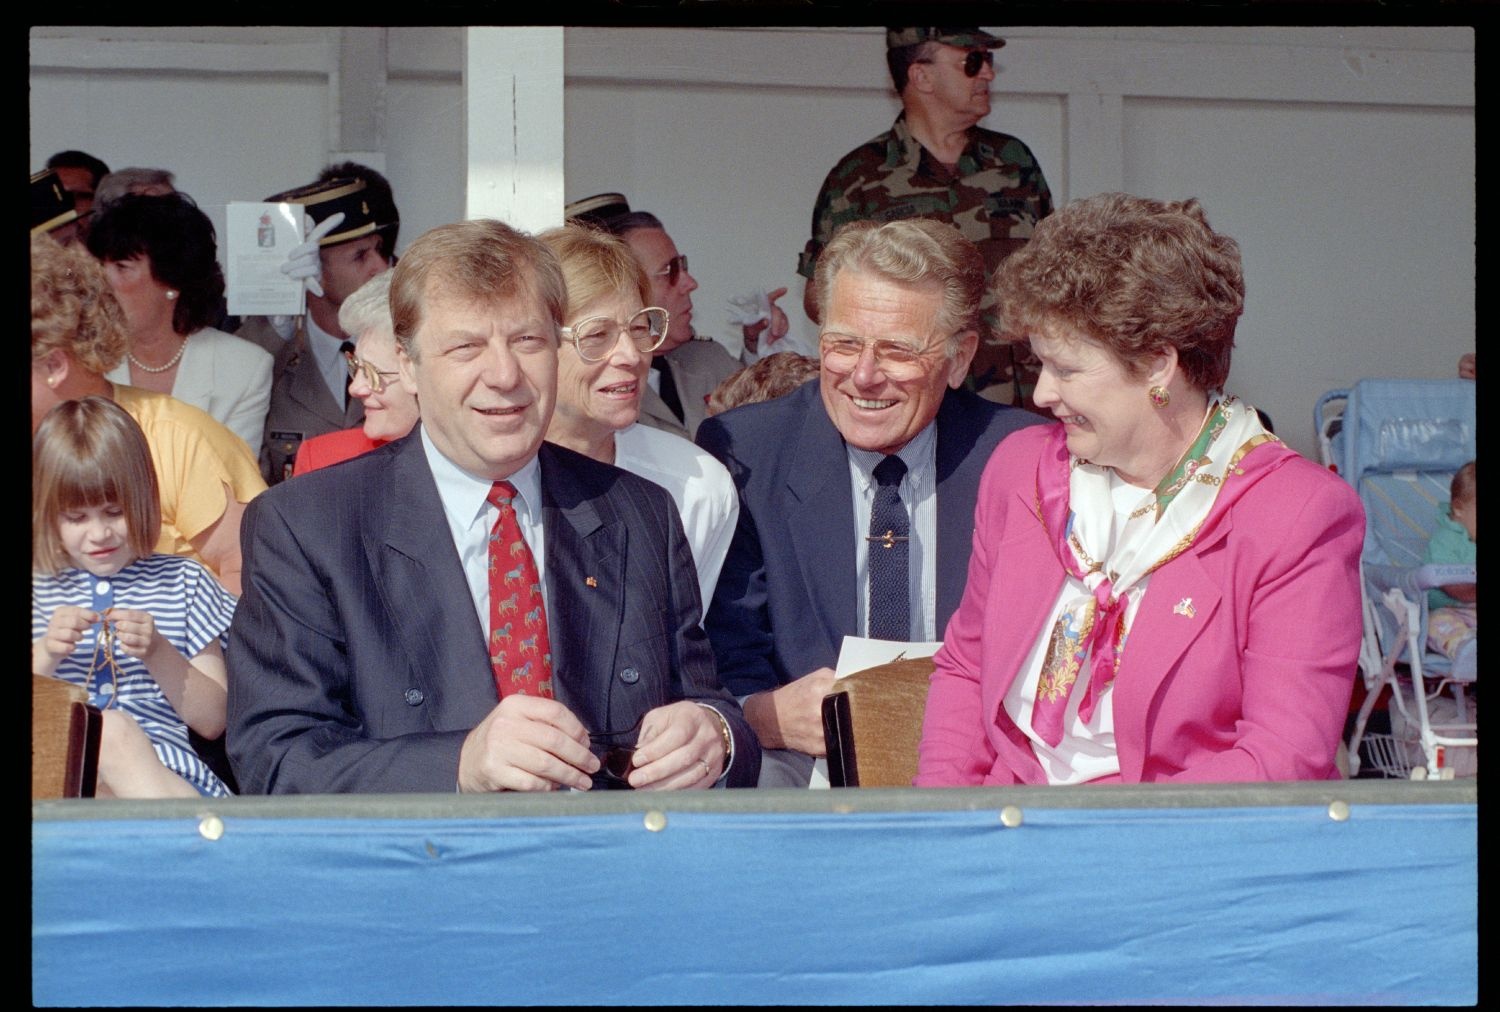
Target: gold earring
{"x": 1160, "y": 398}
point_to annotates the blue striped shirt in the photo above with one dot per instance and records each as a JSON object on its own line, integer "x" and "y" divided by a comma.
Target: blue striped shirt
{"x": 191, "y": 610}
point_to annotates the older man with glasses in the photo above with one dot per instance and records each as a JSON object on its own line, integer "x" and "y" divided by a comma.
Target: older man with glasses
{"x": 936, "y": 162}
{"x": 857, "y": 492}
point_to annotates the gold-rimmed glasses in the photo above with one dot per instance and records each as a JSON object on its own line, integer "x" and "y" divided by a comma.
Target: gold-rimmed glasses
{"x": 378, "y": 379}
{"x": 899, "y": 360}
{"x": 597, "y": 336}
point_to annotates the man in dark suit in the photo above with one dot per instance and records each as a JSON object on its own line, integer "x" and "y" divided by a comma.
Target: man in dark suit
{"x": 857, "y": 492}
{"x": 369, "y": 651}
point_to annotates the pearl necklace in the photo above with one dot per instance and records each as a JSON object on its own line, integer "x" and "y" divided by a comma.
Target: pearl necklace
{"x": 143, "y": 367}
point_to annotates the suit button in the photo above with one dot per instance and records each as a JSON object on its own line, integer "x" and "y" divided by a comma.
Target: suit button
{"x": 414, "y": 697}
{"x": 630, "y": 676}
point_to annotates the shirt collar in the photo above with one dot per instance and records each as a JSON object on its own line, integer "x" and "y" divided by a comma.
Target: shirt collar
{"x": 464, "y": 495}
{"x": 917, "y": 455}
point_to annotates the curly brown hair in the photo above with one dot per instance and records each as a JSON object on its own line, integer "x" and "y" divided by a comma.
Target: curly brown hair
{"x": 1135, "y": 274}
{"x": 773, "y": 376}
{"x": 73, "y": 309}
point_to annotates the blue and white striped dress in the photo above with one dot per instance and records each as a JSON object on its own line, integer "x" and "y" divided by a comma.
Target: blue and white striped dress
{"x": 191, "y": 610}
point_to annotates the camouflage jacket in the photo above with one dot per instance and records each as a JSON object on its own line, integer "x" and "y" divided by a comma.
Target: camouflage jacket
{"x": 995, "y": 195}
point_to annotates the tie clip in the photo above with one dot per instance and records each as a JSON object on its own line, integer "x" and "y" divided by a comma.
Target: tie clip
{"x": 888, "y": 539}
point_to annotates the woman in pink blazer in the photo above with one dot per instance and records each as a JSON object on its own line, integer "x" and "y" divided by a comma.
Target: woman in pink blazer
{"x": 1159, "y": 589}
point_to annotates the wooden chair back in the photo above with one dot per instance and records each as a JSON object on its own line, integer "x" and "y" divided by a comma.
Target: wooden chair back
{"x": 64, "y": 740}
{"x": 872, "y": 722}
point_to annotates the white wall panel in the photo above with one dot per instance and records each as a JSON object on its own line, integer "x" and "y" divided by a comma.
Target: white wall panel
{"x": 1341, "y": 158}
{"x": 1357, "y": 230}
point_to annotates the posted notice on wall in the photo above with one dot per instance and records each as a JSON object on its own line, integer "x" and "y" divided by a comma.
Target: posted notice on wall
{"x": 260, "y": 236}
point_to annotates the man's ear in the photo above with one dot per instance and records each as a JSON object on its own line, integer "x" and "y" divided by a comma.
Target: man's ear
{"x": 407, "y": 367}
{"x": 919, "y": 77}
{"x": 958, "y": 365}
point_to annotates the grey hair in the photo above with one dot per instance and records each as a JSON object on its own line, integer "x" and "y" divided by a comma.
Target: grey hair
{"x": 132, "y": 180}
{"x": 913, "y": 251}
{"x": 369, "y": 307}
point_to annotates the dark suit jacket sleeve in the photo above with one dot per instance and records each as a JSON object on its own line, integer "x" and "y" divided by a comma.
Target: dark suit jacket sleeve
{"x": 738, "y": 621}
{"x": 694, "y": 659}
{"x": 294, "y": 722}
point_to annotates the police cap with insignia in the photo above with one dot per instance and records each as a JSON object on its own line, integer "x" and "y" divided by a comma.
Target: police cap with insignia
{"x": 963, "y": 38}
{"x": 51, "y": 205}
{"x": 601, "y": 209}
{"x": 364, "y": 212}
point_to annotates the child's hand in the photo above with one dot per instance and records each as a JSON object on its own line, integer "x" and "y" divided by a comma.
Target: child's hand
{"x": 64, "y": 632}
{"x": 135, "y": 631}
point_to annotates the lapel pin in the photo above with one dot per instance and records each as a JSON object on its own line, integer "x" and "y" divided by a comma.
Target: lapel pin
{"x": 589, "y": 581}
{"x": 1185, "y": 607}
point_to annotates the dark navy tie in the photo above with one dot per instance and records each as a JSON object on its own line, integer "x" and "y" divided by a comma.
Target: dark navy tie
{"x": 345, "y": 349}
{"x": 890, "y": 585}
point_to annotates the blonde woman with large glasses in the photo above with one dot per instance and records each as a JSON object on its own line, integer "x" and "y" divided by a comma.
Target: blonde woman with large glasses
{"x": 605, "y": 353}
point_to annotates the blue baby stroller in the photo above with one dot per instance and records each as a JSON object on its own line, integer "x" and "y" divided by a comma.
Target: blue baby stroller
{"x": 1398, "y": 442}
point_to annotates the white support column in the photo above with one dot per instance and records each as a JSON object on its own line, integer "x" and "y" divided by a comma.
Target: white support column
{"x": 1095, "y": 140}
{"x": 513, "y": 125}
{"x": 359, "y": 95}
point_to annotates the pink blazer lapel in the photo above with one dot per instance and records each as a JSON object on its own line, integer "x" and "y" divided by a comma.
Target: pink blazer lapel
{"x": 1026, "y": 578}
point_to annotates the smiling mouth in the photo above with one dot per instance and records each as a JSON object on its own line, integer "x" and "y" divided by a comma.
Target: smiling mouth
{"x": 621, "y": 388}
{"x": 1072, "y": 419}
{"x": 869, "y": 404}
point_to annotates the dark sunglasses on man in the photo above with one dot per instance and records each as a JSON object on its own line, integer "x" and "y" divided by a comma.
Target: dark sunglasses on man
{"x": 975, "y": 59}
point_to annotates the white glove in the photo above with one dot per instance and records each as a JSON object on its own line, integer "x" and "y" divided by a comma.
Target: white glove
{"x": 758, "y": 313}
{"x": 747, "y": 309}
{"x": 303, "y": 262}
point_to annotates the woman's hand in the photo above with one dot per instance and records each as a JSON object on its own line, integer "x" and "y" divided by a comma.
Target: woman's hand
{"x": 64, "y": 632}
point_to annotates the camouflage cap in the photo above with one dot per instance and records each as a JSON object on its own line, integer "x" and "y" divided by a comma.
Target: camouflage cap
{"x": 964, "y": 38}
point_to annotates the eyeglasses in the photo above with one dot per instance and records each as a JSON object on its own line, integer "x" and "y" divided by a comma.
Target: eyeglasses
{"x": 676, "y": 268}
{"x": 616, "y": 753}
{"x": 377, "y": 378}
{"x": 597, "y": 336}
{"x": 975, "y": 59}
{"x": 897, "y": 359}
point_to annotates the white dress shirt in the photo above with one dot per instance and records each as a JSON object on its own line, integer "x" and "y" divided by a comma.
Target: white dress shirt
{"x": 471, "y": 517}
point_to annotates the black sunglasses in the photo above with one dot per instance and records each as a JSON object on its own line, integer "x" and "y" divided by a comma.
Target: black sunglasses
{"x": 975, "y": 59}
{"x": 978, "y": 58}
{"x": 616, "y": 757}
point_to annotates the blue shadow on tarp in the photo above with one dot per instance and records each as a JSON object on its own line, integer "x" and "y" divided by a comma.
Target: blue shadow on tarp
{"x": 1352, "y": 892}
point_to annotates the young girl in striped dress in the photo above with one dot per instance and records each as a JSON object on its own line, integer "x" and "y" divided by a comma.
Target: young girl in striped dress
{"x": 143, "y": 632}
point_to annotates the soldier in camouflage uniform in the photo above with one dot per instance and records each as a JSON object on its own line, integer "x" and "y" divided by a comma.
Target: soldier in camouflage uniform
{"x": 992, "y": 189}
